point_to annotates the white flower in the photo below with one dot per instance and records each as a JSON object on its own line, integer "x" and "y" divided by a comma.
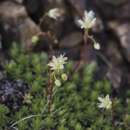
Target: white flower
{"x": 54, "y": 13}
{"x": 96, "y": 46}
{"x": 88, "y": 20}
{"x": 57, "y": 63}
{"x": 57, "y": 83}
{"x": 105, "y": 102}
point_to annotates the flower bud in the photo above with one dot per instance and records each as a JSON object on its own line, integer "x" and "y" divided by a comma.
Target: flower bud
{"x": 57, "y": 83}
{"x": 64, "y": 76}
{"x": 35, "y": 39}
{"x": 97, "y": 46}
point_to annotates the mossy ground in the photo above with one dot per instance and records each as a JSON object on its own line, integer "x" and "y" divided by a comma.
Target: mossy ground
{"x": 74, "y": 105}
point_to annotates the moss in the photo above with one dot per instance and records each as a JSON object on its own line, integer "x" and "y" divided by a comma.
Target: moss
{"x": 74, "y": 105}
{"x": 3, "y": 116}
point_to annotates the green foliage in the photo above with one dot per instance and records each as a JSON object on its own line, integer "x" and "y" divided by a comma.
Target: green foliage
{"x": 3, "y": 116}
{"x": 74, "y": 105}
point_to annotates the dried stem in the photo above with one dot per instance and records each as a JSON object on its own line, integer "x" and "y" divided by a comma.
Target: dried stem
{"x": 50, "y": 91}
{"x": 85, "y": 39}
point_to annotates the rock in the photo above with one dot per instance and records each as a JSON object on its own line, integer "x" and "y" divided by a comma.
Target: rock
{"x": 114, "y": 3}
{"x": 15, "y": 24}
{"x": 19, "y": 1}
{"x": 122, "y": 30}
{"x": 71, "y": 40}
{"x": 115, "y": 76}
{"x": 113, "y": 53}
{"x": 118, "y": 9}
{"x": 9, "y": 9}
{"x": 27, "y": 30}
{"x": 16, "y": 1}
{"x": 34, "y": 6}
{"x": 78, "y": 5}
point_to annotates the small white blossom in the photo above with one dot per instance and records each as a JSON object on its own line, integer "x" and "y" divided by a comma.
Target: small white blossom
{"x": 27, "y": 98}
{"x": 54, "y": 13}
{"x": 88, "y": 20}
{"x": 57, "y": 63}
{"x": 105, "y": 102}
{"x": 57, "y": 83}
{"x": 96, "y": 46}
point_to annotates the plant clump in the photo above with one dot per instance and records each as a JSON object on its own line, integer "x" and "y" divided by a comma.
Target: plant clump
{"x": 74, "y": 103}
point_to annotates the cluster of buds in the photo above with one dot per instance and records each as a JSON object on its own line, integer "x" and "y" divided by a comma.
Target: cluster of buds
{"x": 57, "y": 69}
